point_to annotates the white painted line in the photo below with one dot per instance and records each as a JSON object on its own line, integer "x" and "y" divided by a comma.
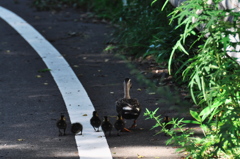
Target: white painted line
{"x": 90, "y": 145}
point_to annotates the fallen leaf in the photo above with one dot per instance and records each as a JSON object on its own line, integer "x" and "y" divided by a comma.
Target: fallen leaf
{"x": 72, "y": 33}
{"x": 84, "y": 114}
{"x": 139, "y": 89}
{"x": 38, "y": 76}
{"x": 151, "y": 93}
{"x": 44, "y": 70}
{"x": 20, "y": 139}
{"x": 139, "y": 156}
{"x": 84, "y": 58}
{"x": 111, "y": 92}
{"x": 114, "y": 152}
{"x": 75, "y": 66}
{"x": 106, "y": 60}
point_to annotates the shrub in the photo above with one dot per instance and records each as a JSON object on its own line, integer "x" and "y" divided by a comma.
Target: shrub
{"x": 213, "y": 80}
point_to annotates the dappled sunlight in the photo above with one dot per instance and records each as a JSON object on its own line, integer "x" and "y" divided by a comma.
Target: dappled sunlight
{"x": 13, "y": 146}
{"x": 149, "y": 151}
{"x": 31, "y": 150}
{"x": 62, "y": 154}
{"x": 99, "y": 58}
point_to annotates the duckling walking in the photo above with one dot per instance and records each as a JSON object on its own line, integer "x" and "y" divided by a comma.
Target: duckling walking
{"x": 95, "y": 121}
{"x": 119, "y": 124}
{"x": 127, "y": 107}
{"x": 106, "y": 126}
{"x": 76, "y": 128}
{"x": 166, "y": 120}
{"x": 61, "y": 124}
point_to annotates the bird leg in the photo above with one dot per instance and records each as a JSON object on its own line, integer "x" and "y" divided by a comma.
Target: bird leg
{"x": 134, "y": 124}
{"x": 60, "y": 133}
{"x": 80, "y": 134}
{"x": 118, "y": 133}
{"x": 64, "y": 131}
{"x": 94, "y": 128}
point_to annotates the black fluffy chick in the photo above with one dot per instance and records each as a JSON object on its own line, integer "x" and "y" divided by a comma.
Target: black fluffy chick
{"x": 119, "y": 124}
{"x": 76, "y": 128}
{"x": 106, "y": 126}
{"x": 62, "y": 125}
{"x": 166, "y": 120}
{"x": 95, "y": 121}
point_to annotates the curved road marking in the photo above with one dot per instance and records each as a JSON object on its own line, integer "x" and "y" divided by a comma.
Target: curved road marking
{"x": 90, "y": 145}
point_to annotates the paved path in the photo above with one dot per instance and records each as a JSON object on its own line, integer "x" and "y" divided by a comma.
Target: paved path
{"x": 91, "y": 144}
{"x": 30, "y": 107}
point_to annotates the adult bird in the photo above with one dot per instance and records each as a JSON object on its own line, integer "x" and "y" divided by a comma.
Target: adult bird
{"x": 106, "y": 126}
{"x": 76, "y": 128}
{"x": 127, "y": 107}
{"x": 62, "y": 125}
{"x": 95, "y": 121}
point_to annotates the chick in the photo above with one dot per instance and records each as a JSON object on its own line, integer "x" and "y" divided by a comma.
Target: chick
{"x": 76, "y": 128}
{"x": 119, "y": 124}
{"x": 61, "y": 124}
{"x": 166, "y": 120}
{"x": 106, "y": 126}
{"x": 95, "y": 121}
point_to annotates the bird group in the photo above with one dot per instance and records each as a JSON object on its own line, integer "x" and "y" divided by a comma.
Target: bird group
{"x": 126, "y": 108}
{"x": 76, "y": 128}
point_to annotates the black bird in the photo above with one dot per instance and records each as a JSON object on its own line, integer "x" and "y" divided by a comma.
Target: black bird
{"x": 76, "y": 128}
{"x": 166, "y": 120}
{"x": 61, "y": 124}
{"x": 119, "y": 124}
{"x": 95, "y": 121}
{"x": 106, "y": 126}
{"x": 127, "y": 107}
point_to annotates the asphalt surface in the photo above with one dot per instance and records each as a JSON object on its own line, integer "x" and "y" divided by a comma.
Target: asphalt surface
{"x": 31, "y": 102}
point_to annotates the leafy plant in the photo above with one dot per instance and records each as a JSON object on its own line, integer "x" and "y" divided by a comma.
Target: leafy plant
{"x": 108, "y": 9}
{"x": 139, "y": 22}
{"x": 213, "y": 79}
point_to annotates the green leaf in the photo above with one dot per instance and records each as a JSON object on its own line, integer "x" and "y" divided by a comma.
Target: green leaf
{"x": 44, "y": 70}
{"x": 195, "y": 116}
{"x": 162, "y": 6}
{"x": 191, "y": 122}
{"x": 208, "y": 110}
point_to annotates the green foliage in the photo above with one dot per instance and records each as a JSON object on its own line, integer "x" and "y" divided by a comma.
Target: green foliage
{"x": 108, "y": 9}
{"x": 139, "y": 23}
{"x": 214, "y": 144}
{"x": 144, "y": 31}
{"x": 213, "y": 78}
